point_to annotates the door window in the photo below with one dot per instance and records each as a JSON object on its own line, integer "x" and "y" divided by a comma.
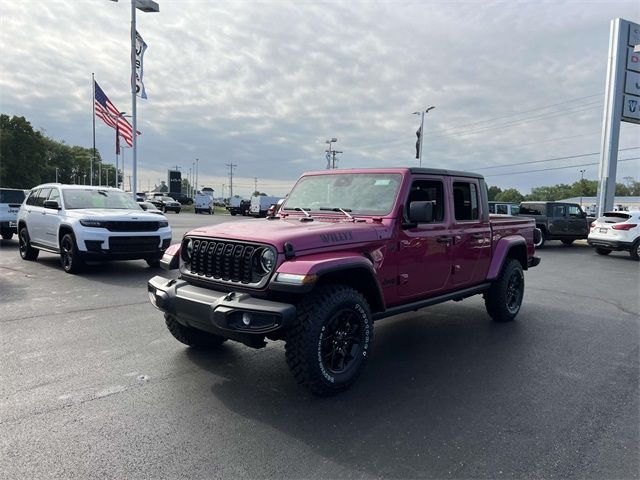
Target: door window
{"x": 465, "y": 201}
{"x": 42, "y": 196}
{"x": 428, "y": 191}
{"x": 31, "y": 200}
{"x": 559, "y": 210}
{"x": 54, "y": 195}
{"x": 501, "y": 209}
{"x": 575, "y": 211}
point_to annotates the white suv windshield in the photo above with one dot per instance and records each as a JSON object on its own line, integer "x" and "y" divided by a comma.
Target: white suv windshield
{"x": 359, "y": 193}
{"x": 91, "y": 198}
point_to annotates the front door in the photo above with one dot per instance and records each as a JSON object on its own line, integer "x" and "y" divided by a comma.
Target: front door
{"x": 558, "y": 223}
{"x": 424, "y": 261}
{"x": 577, "y": 221}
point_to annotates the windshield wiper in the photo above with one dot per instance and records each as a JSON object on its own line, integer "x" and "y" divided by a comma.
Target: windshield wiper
{"x": 337, "y": 209}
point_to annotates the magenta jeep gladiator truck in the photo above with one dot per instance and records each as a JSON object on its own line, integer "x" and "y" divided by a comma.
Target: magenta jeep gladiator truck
{"x": 347, "y": 248}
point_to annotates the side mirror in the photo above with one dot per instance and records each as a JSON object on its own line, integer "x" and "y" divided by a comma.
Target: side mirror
{"x": 421, "y": 212}
{"x": 52, "y": 204}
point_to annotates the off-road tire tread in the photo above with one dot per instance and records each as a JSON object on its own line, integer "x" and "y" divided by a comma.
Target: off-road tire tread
{"x": 494, "y": 298}
{"x": 318, "y": 304}
{"x": 196, "y": 339}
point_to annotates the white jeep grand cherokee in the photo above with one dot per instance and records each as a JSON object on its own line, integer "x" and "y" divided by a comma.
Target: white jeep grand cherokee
{"x": 89, "y": 223}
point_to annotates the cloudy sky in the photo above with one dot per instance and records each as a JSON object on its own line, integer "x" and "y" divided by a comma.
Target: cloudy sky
{"x": 263, "y": 84}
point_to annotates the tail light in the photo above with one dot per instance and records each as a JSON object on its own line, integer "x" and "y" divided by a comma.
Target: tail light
{"x": 624, "y": 226}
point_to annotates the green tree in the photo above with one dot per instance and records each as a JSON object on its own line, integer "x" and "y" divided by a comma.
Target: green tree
{"x": 511, "y": 195}
{"x": 492, "y": 192}
{"x": 22, "y": 153}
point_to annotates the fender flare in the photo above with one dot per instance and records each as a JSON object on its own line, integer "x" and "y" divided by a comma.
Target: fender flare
{"x": 501, "y": 252}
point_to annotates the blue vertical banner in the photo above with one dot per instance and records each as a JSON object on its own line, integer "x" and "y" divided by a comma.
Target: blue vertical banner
{"x": 141, "y": 47}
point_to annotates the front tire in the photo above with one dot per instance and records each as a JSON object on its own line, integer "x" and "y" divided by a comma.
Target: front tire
{"x": 602, "y": 251}
{"x": 567, "y": 242}
{"x": 196, "y": 339}
{"x": 27, "y": 252}
{"x": 153, "y": 262}
{"x": 327, "y": 348}
{"x": 7, "y": 235}
{"x": 69, "y": 255}
{"x": 504, "y": 297}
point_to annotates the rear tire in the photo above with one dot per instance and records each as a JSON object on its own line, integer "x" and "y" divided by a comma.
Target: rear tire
{"x": 504, "y": 298}
{"x": 543, "y": 239}
{"x": 27, "y": 252}
{"x": 153, "y": 263}
{"x": 7, "y": 235}
{"x": 328, "y": 346}
{"x": 635, "y": 250}
{"x": 69, "y": 255}
{"x": 195, "y": 339}
{"x": 567, "y": 242}
{"x": 602, "y": 251}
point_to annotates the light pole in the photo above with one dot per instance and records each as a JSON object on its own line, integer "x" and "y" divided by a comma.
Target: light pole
{"x": 197, "y": 168}
{"x": 422, "y": 114}
{"x": 329, "y": 152}
{"x": 147, "y": 6}
{"x": 581, "y": 186}
{"x": 56, "y": 174}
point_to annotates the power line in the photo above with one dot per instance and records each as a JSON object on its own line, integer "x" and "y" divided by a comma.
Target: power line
{"x": 550, "y": 159}
{"x": 559, "y": 168}
{"x": 488, "y": 120}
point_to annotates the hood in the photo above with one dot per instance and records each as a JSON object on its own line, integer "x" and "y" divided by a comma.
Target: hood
{"x": 117, "y": 214}
{"x": 301, "y": 235}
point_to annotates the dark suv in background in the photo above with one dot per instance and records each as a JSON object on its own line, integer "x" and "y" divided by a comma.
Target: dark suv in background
{"x": 180, "y": 197}
{"x": 557, "y": 221}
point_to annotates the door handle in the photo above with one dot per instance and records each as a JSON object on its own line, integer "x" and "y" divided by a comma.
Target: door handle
{"x": 445, "y": 240}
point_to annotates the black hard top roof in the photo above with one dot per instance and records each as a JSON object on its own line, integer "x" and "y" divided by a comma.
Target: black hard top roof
{"x": 441, "y": 171}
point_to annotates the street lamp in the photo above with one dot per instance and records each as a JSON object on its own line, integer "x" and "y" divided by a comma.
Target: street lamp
{"x": 332, "y": 140}
{"x": 581, "y": 186}
{"x": 147, "y": 6}
{"x": 422, "y": 113}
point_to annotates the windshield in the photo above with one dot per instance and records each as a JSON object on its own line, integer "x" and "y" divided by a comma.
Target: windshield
{"x": 77, "y": 198}
{"x": 358, "y": 193}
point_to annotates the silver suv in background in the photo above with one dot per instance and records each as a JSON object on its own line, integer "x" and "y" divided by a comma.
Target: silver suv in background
{"x": 10, "y": 201}
{"x": 84, "y": 223}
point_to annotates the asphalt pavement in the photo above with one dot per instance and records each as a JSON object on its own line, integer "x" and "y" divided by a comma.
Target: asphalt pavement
{"x": 92, "y": 385}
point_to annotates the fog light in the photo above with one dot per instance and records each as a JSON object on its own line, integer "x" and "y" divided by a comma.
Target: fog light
{"x": 246, "y": 319}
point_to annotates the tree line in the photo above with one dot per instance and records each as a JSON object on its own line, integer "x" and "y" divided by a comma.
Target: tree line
{"x": 29, "y": 158}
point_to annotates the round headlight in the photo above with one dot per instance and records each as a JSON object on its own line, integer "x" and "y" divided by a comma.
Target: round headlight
{"x": 188, "y": 250}
{"x": 267, "y": 260}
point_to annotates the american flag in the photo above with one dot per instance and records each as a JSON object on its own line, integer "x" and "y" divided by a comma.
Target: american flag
{"x": 109, "y": 114}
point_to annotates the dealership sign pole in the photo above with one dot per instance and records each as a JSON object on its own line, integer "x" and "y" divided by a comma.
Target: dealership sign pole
{"x": 621, "y": 103}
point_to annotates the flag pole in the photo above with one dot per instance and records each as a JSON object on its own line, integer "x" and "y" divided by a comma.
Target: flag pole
{"x": 93, "y": 111}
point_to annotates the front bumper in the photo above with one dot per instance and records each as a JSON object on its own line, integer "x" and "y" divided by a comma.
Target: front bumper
{"x": 534, "y": 262}
{"x": 221, "y": 313}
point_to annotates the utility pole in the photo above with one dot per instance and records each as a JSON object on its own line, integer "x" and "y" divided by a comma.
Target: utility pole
{"x": 56, "y": 174}
{"x": 421, "y": 131}
{"x": 255, "y": 184}
{"x": 328, "y": 152}
{"x": 223, "y": 185}
{"x": 581, "y": 186}
{"x": 231, "y": 167}
{"x": 197, "y": 168}
{"x": 333, "y": 154}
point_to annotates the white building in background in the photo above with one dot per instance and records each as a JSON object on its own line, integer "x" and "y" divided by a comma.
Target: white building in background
{"x": 619, "y": 203}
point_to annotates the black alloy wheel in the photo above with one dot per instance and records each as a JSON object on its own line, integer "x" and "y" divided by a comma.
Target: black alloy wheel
{"x": 27, "y": 252}
{"x": 69, "y": 257}
{"x": 342, "y": 341}
{"x": 515, "y": 291}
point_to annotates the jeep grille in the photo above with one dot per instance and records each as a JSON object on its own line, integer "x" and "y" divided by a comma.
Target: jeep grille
{"x": 225, "y": 261}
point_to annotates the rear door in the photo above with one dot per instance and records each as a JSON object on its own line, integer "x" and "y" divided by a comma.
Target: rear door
{"x": 471, "y": 234}
{"x": 424, "y": 251}
{"x": 35, "y": 221}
